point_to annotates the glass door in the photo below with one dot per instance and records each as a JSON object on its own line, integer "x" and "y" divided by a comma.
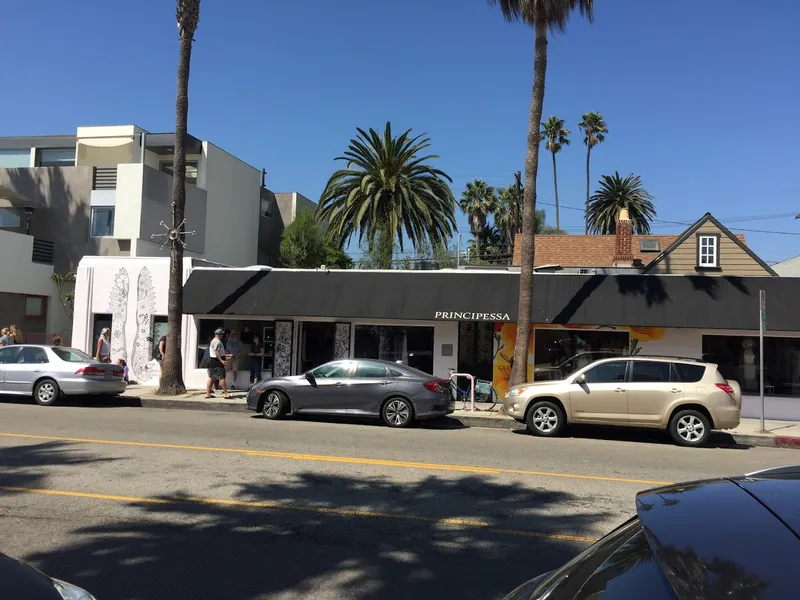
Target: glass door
{"x": 268, "y": 360}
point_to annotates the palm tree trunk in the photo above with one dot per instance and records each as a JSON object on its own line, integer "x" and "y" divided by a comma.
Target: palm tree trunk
{"x": 519, "y": 371}
{"x": 586, "y": 210}
{"x": 478, "y": 247}
{"x": 555, "y": 185}
{"x": 171, "y": 382}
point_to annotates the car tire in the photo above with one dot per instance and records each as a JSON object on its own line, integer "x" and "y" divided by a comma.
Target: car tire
{"x": 545, "y": 419}
{"x": 397, "y": 412}
{"x": 275, "y": 405}
{"x": 690, "y": 428}
{"x": 46, "y": 392}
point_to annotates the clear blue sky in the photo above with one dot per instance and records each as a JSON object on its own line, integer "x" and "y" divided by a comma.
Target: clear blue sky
{"x": 701, "y": 97}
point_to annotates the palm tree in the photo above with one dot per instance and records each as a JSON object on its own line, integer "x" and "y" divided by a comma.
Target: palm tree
{"x": 541, "y": 15}
{"x": 556, "y": 136}
{"x": 614, "y": 194}
{"x": 386, "y": 192}
{"x": 478, "y": 201}
{"x": 594, "y": 132}
{"x": 171, "y": 381}
{"x": 507, "y": 210}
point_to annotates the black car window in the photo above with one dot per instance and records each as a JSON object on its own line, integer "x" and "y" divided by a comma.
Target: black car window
{"x": 689, "y": 373}
{"x": 370, "y": 371}
{"x": 610, "y": 372}
{"x": 650, "y": 371}
{"x": 393, "y": 373}
{"x": 7, "y": 355}
{"x": 334, "y": 370}
{"x": 31, "y": 356}
{"x": 71, "y": 355}
{"x": 627, "y": 573}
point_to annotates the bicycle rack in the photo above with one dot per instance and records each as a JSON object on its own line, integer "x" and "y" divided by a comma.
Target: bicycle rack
{"x": 471, "y": 387}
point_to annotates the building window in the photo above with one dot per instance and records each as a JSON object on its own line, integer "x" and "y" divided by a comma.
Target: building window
{"x": 191, "y": 170}
{"x": 56, "y": 157}
{"x": 102, "y": 221}
{"x": 266, "y": 208}
{"x": 737, "y": 359}
{"x": 8, "y": 218}
{"x": 35, "y": 307}
{"x": 559, "y": 352}
{"x": 413, "y": 346}
{"x": 707, "y": 251}
{"x": 158, "y": 330}
{"x": 15, "y": 158}
{"x": 265, "y": 330}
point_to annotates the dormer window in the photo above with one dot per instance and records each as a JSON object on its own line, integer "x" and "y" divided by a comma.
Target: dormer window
{"x": 708, "y": 251}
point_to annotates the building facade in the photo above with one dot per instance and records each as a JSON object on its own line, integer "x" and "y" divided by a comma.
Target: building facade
{"x": 106, "y": 191}
{"x": 446, "y": 321}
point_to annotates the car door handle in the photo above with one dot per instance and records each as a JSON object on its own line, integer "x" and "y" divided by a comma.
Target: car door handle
{"x": 619, "y": 390}
{"x": 339, "y": 384}
{"x": 385, "y": 382}
{"x": 37, "y": 370}
{"x": 675, "y": 390}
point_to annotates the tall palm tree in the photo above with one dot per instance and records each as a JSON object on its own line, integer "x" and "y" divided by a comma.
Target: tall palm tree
{"x": 594, "y": 132}
{"x": 556, "y": 136}
{"x": 614, "y": 194}
{"x": 506, "y": 212}
{"x": 478, "y": 201}
{"x": 541, "y": 15}
{"x": 388, "y": 192}
{"x": 171, "y": 381}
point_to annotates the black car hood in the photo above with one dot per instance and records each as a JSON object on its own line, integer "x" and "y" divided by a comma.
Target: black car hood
{"x": 19, "y": 581}
{"x": 716, "y": 539}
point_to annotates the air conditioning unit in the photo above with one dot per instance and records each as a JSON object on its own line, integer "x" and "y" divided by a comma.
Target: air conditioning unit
{"x": 650, "y": 245}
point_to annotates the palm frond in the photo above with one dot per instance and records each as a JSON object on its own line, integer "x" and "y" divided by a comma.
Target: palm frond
{"x": 554, "y": 134}
{"x": 614, "y": 194}
{"x": 594, "y": 128}
{"x": 555, "y": 12}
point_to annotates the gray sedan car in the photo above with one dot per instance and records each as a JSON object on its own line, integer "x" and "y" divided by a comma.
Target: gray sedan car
{"x": 394, "y": 392}
{"x": 48, "y": 372}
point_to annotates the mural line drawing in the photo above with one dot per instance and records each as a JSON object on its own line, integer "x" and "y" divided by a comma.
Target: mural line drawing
{"x": 143, "y": 365}
{"x": 118, "y": 307}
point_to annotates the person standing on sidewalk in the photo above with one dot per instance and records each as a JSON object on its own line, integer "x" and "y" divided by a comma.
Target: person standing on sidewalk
{"x": 216, "y": 364}
{"x": 235, "y": 348}
{"x": 256, "y": 356}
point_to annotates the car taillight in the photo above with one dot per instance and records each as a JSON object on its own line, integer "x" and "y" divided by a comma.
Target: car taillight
{"x": 90, "y": 371}
{"x": 727, "y": 389}
{"x": 436, "y": 386}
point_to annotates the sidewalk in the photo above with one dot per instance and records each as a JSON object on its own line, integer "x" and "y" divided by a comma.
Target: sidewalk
{"x": 779, "y": 434}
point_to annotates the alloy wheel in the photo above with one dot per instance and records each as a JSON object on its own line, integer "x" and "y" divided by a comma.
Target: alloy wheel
{"x": 691, "y": 429}
{"x": 545, "y": 419}
{"x": 272, "y": 405}
{"x": 397, "y": 412}
{"x": 46, "y": 392}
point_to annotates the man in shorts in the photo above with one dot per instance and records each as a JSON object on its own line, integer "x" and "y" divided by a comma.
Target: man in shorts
{"x": 216, "y": 364}
{"x": 234, "y": 349}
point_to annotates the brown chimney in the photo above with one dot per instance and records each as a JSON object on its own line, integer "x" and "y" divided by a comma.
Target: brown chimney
{"x": 623, "y": 251}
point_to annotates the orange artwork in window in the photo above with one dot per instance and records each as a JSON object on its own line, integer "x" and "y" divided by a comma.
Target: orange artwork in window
{"x": 504, "y": 338}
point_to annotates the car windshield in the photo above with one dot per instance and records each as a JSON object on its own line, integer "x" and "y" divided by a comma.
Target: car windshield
{"x": 71, "y": 355}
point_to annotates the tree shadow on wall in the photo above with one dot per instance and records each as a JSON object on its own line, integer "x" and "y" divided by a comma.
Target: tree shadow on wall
{"x": 307, "y": 537}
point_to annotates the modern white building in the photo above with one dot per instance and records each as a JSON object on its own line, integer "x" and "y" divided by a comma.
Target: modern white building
{"x": 105, "y": 191}
{"x": 788, "y": 268}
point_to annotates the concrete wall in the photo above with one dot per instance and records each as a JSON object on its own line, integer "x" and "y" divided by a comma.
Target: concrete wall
{"x": 67, "y": 193}
{"x": 234, "y": 202}
{"x": 96, "y": 146}
{"x": 788, "y": 268}
{"x": 133, "y": 291}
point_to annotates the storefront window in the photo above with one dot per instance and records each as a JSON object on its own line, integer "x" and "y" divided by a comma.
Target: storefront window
{"x": 738, "y": 359}
{"x": 247, "y": 329}
{"x": 411, "y": 345}
{"x": 475, "y": 348}
{"x": 559, "y": 352}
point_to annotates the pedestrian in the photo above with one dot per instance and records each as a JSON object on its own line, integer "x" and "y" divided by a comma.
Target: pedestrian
{"x": 234, "y": 348}
{"x": 216, "y": 363}
{"x": 56, "y": 340}
{"x": 103, "y": 348}
{"x": 5, "y": 338}
{"x": 256, "y": 357}
{"x": 16, "y": 334}
{"x": 162, "y": 348}
{"x": 122, "y": 363}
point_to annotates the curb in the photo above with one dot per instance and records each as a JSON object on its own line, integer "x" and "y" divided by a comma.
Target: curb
{"x": 495, "y": 422}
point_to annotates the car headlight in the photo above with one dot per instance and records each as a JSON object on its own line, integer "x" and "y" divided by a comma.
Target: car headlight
{"x": 71, "y": 592}
{"x": 516, "y": 392}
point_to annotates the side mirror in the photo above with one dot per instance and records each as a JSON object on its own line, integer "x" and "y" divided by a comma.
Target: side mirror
{"x": 310, "y": 376}
{"x": 580, "y": 379}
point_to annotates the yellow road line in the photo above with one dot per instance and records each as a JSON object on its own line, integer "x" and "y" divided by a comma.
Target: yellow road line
{"x": 338, "y": 512}
{"x": 342, "y": 459}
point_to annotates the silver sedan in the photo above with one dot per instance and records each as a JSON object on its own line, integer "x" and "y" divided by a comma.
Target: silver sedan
{"x": 48, "y": 372}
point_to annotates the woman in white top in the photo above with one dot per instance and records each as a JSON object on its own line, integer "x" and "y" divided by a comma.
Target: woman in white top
{"x": 103, "y": 350}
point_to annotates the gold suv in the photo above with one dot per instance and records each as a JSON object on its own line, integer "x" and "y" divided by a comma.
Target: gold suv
{"x": 688, "y": 397}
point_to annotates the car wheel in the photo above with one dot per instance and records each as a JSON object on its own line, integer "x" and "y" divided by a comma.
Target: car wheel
{"x": 397, "y": 412}
{"x": 545, "y": 419}
{"x": 690, "y": 428}
{"x": 46, "y": 392}
{"x": 275, "y": 403}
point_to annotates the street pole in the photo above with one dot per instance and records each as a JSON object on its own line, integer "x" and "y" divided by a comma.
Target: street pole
{"x": 762, "y": 325}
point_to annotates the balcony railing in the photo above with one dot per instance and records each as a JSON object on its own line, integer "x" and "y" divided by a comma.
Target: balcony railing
{"x": 105, "y": 178}
{"x": 42, "y": 252}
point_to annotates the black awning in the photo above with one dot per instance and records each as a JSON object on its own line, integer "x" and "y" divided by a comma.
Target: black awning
{"x": 701, "y": 302}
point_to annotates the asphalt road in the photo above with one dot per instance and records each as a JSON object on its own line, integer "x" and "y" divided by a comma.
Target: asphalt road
{"x": 136, "y": 503}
